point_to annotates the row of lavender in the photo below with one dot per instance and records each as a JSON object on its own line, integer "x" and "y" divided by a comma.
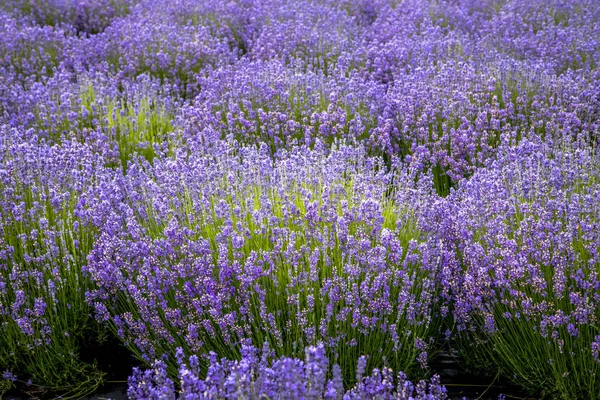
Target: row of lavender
{"x": 440, "y": 85}
{"x": 355, "y": 184}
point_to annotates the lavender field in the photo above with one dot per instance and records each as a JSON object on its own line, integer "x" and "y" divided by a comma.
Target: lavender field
{"x": 299, "y": 199}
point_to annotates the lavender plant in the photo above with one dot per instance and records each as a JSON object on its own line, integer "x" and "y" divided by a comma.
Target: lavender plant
{"x": 562, "y": 35}
{"x": 310, "y": 36}
{"x": 174, "y": 54}
{"x": 237, "y": 22}
{"x": 209, "y": 249}
{"x": 260, "y": 375}
{"x": 452, "y": 117}
{"x": 44, "y": 241}
{"x": 29, "y": 52}
{"x": 264, "y": 102}
{"x": 138, "y": 119}
{"x": 88, "y": 17}
{"x": 526, "y": 231}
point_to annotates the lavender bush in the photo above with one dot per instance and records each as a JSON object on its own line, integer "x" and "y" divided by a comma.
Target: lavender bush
{"x": 44, "y": 241}
{"x": 264, "y": 102}
{"x": 29, "y": 52}
{"x": 526, "y": 231}
{"x": 260, "y": 375}
{"x": 174, "y": 54}
{"x": 87, "y": 17}
{"x": 208, "y": 249}
{"x": 137, "y": 119}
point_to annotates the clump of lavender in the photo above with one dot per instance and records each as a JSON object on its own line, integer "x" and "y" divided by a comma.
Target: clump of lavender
{"x": 44, "y": 241}
{"x": 265, "y": 102}
{"x": 526, "y": 231}
{"x": 309, "y": 36}
{"x": 261, "y": 375}
{"x": 175, "y": 55}
{"x": 561, "y": 34}
{"x": 88, "y": 16}
{"x": 236, "y": 22}
{"x": 452, "y": 117}
{"x": 115, "y": 122}
{"x": 29, "y": 52}
{"x": 217, "y": 246}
